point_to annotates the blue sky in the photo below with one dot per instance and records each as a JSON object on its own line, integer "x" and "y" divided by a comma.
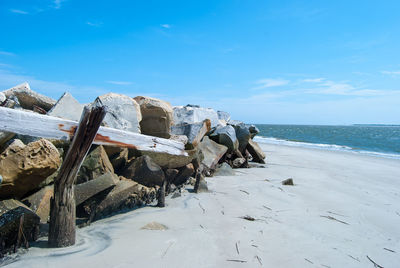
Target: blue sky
{"x": 287, "y": 62}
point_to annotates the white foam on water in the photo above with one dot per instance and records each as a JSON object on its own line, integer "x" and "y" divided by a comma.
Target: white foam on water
{"x": 333, "y": 147}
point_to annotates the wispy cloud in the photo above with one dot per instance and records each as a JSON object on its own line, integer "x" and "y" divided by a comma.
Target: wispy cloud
{"x": 268, "y": 82}
{"x": 6, "y": 53}
{"x": 19, "y": 11}
{"x": 313, "y": 80}
{"x": 94, "y": 24}
{"x": 166, "y": 26}
{"x": 120, "y": 83}
{"x": 391, "y": 72}
{"x": 57, "y": 3}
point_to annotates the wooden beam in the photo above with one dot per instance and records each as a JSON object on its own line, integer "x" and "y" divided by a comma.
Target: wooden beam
{"x": 37, "y": 125}
{"x": 62, "y": 205}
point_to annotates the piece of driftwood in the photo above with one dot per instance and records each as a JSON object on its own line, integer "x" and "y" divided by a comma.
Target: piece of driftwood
{"x": 161, "y": 196}
{"x": 44, "y": 126}
{"x": 62, "y": 205}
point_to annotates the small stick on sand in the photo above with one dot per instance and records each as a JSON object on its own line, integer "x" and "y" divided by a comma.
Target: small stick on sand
{"x": 204, "y": 211}
{"x": 389, "y": 250}
{"x": 375, "y": 264}
{"x": 237, "y": 261}
{"x": 247, "y": 217}
{"x": 259, "y": 259}
{"x": 353, "y": 257}
{"x": 334, "y": 219}
{"x": 267, "y": 207}
{"x": 237, "y": 248}
{"x": 165, "y": 252}
{"x": 244, "y": 192}
{"x": 309, "y": 261}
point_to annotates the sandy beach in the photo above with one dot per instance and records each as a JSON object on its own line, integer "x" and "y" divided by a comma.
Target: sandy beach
{"x": 343, "y": 207}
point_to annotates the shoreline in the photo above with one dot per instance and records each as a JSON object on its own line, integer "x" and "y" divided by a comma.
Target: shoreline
{"x": 342, "y": 208}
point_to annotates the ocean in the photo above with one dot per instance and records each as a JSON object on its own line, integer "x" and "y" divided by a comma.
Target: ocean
{"x": 379, "y": 140}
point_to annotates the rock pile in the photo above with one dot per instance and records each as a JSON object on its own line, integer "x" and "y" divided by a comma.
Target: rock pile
{"x": 112, "y": 178}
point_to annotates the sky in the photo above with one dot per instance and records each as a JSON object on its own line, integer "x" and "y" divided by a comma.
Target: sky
{"x": 275, "y": 62}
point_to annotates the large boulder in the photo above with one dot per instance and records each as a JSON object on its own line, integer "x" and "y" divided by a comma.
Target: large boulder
{"x": 86, "y": 190}
{"x": 24, "y": 167}
{"x": 253, "y": 129}
{"x": 226, "y": 136}
{"x": 125, "y": 193}
{"x": 12, "y": 214}
{"x": 256, "y": 152}
{"x": 224, "y": 116}
{"x": 243, "y": 135}
{"x": 123, "y": 112}
{"x": 156, "y": 116}
{"x": 193, "y": 114}
{"x": 166, "y": 160}
{"x": 28, "y": 99}
{"x": 184, "y": 174}
{"x": 144, "y": 171}
{"x": 67, "y": 107}
{"x": 39, "y": 202}
{"x": 194, "y": 132}
{"x": 95, "y": 164}
{"x": 212, "y": 152}
{"x": 2, "y": 98}
{"x": 4, "y": 137}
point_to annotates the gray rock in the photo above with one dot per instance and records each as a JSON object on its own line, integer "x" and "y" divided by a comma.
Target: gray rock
{"x": 253, "y": 130}
{"x": 28, "y": 99}
{"x": 256, "y": 152}
{"x": 144, "y": 171}
{"x": 238, "y": 162}
{"x": 184, "y": 174}
{"x": 224, "y": 116}
{"x": 170, "y": 174}
{"x": 123, "y": 112}
{"x": 181, "y": 138}
{"x": 194, "y": 132}
{"x": 212, "y": 152}
{"x": 96, "y": 163}
{"x": 119, "y": 159}
{"x": 191, "y": 114}
{"x": 243, "y": 135}
{"x": 224, "y": 170}
{"x": 156, "y": 116}
{"x": 176, "y": 195}
{"x": 226, "y": 136}
{"x": 11, "y": 212}
{"x": 5, "y": 137}
{"x": 86, "y": 190}
{"x": 203, "y": 188}
{"x": 39, "y": 202}
{"x": 288, "y": 182}
{"x": 67, "y": 107}
{"x": 166, "y": 160}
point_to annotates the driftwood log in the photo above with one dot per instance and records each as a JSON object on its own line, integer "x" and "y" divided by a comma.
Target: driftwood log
{"x": 44, "y": 126}
{"x": 62, "y": 205}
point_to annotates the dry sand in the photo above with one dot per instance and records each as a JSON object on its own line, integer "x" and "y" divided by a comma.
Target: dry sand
{"x": 343, "y": 207}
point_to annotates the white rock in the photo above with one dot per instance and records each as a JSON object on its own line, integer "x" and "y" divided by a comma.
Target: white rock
{"x": 193, "y": 114}
{"x": 67, "y": 107}
{"x": 123, "y": 112}
{"x": 2, "y": 97}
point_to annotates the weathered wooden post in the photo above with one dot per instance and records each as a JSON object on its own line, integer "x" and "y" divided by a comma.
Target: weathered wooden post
{"x": 62, "y": 205}
{"x": 161, "y": 197}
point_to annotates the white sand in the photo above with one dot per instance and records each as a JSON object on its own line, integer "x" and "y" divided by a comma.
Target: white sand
{"x": 361, "y": 190}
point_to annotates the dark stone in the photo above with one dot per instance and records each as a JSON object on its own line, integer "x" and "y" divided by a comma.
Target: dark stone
{"x": 288, "y": 182}
{"x": 170, "y": 174}
{"x": 238, "y": 162}
{"x": 184, "y": 174}
{"x": 253, "y": 130}
{"x": 194, "y": 132}
{"x": 256, "y": 152}
{"x": 144, "y": 171}
{"x": 86, "y": 190}
{"x": 96, "y": 163}
{"x": 226, "y": 136}
{"x": 243, "y": 135}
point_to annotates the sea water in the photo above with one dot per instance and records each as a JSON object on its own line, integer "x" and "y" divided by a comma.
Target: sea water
{"x": 380, "y": 140}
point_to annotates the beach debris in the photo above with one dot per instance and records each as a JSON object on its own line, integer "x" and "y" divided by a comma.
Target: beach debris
{"x": 24, "y": 167}
{"x": 155, "y": 226}
{"x": 288, "y": 182}
{"x": 375, "y": 264}
{"x": 237, "y": 247}
{"x": 144, "y": 171}
{"x": 389, "y": 250}
{"x": 204, "y": 210}
{"x": 86, "y": 190}
{"x": 309, "y": 261}
{"x": 267, "y": 207}
{"x": 67, "y": 107}
{"x": 241, "y": 261}
{"x": 245, "y": 192}
{"x": 123, "y": 112}
{"x": 156, "y": 117}
{"x": 248, "y": 218}
{"x": 354, "y": 258}
{"x": 165, "y": 252}
{"x": 161, "y": 195}
{"x": 238, "y": 162}
{"x": 96, "y": 163}
{"x": 225, "y": 135}
{"x": 334, "y": 219}
{"x": 258, "y": 259}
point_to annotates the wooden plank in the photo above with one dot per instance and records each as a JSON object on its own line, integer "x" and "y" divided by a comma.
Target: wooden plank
{"x": 37, "y": 125}
{"x": 62, "y": 205}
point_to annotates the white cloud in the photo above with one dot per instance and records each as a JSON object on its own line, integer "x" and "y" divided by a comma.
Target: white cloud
{"x": 313, "y": 80}
{"x": 391, "y": 72}
{"x": 268, "y": 82}
{"x": 166, "y": 26}
{"x": 57, "y": 3}
{"x": 19, "y": 11}
{"x": 94, "y": 24}
{"x": 120, "y": 83}
{"x": 6, "y": 53}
